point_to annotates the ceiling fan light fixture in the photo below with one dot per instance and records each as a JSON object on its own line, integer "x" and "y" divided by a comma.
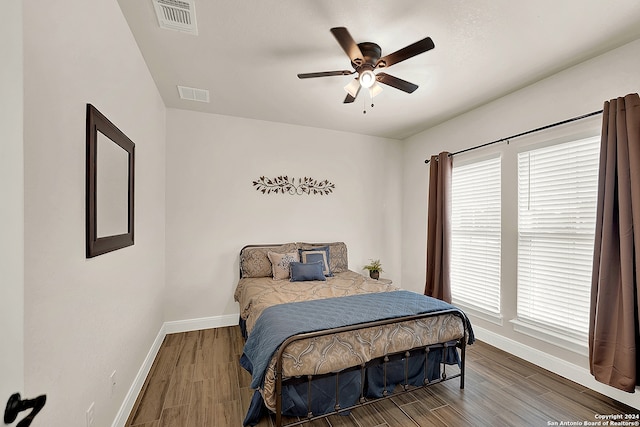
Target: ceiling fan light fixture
{"x": 375, "y": 90}
{"x": 353, "y": 87}
{"x": 367, "y": 79}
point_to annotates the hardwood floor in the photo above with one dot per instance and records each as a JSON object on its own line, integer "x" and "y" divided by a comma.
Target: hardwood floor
{"x": 196, "y": 381}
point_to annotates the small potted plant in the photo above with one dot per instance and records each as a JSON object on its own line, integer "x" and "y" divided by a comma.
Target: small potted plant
{"x": 374, "y": 267}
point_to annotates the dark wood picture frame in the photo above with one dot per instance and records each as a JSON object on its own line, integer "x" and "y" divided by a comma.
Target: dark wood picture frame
{"x": 97, "y": 122}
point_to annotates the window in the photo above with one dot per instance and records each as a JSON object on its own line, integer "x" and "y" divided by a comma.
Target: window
{"x": 557, "y": 193}
{"x": 475, "y": 235}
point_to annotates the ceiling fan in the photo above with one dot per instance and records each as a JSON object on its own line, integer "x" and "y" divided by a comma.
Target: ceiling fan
{"x": 365, "y": 58}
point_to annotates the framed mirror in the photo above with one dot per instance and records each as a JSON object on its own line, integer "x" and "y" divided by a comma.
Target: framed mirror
{"x": 110, "y": 173}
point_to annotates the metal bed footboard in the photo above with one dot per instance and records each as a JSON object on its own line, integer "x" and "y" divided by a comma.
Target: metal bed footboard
{"x": 363, "y": 400}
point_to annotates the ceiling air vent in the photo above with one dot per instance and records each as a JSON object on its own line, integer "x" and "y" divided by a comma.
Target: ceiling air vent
{"x": 178, "y": 15}
{"x": 193, "y": 94}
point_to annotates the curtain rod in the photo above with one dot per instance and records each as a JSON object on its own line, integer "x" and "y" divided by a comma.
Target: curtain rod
{"x": 584, "y": 116}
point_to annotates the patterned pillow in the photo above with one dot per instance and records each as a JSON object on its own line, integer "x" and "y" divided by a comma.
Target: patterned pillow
{"x": 301, "y": 272}
{"x": 280, "y": 263}
{"x": 317, "y": 254}
{"x": 338, "y": 259}
{"x": 254, "y": 261}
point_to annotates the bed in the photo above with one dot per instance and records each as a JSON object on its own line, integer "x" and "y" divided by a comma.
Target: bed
{"x": 322, "y": 339}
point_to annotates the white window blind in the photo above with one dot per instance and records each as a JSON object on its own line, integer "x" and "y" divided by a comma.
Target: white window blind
{"x": 557, "y": 192}
{"x": 475, "y": 235}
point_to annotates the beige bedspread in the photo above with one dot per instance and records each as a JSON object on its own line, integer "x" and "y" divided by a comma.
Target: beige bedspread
{"x": 339, "y": 351}
{"x": 254, "y": 294}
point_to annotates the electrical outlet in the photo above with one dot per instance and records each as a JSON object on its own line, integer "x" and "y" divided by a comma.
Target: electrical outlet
{"x": 112, "y": 378}
{"x": 90, "y": 415}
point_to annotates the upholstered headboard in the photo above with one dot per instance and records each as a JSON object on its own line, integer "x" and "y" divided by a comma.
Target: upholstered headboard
{"x": 254, "y": 261}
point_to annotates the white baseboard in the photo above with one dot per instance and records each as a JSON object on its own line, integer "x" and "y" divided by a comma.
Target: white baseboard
{"x": 556, "y": 365}
{"x": 201, "y": 323}
{"x": 166, "y": 328}
{"x": 138, "y": 382}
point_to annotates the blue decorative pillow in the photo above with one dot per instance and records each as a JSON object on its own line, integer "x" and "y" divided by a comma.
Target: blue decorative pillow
{"x": 302, "y": 272}
{"x": 320, "y": 253}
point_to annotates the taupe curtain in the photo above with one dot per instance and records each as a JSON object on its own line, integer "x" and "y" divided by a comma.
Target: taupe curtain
{"x": 614, "y": 329}
{"x": 439, "y": 228}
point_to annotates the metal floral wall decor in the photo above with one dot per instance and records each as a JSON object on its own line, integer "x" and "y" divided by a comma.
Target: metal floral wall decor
{"x": 283, "y": 184}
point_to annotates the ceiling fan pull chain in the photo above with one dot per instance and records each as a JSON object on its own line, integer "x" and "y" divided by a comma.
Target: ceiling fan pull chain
{"x": 364, "y": 104}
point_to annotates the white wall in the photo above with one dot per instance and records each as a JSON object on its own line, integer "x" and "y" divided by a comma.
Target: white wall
{"x": 11, "y": 205}
{"x": 213, "y": 210}
{"x": 85, "y": 318}
{"x": 576, "y": 91}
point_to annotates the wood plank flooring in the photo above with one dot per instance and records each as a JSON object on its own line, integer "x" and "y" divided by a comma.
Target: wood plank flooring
{"x": 196, "y": 381}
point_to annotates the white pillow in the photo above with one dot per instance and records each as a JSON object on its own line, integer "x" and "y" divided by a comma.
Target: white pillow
{"x": 280, "y": 264}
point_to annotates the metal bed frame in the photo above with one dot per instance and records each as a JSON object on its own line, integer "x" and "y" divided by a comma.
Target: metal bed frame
{"x": 384, "y": 360}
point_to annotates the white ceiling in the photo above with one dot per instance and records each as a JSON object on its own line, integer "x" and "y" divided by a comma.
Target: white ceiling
{"x": 248, "y": 53}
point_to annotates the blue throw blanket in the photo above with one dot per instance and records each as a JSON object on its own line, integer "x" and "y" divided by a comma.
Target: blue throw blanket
{"x": 282, "y": 321}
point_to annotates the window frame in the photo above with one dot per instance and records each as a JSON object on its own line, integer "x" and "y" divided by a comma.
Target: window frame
{"x": 489, "y": 315}
{"x": 529, "y": 327}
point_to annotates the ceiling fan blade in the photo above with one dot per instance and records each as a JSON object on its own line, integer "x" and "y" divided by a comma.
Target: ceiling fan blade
{"x": 406, "y": 52}
{"x": 348, "y": 44}
{"x": 392, "y": 81}
{"x": 349, "y": 99}
{"x": 325, "y": 74}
